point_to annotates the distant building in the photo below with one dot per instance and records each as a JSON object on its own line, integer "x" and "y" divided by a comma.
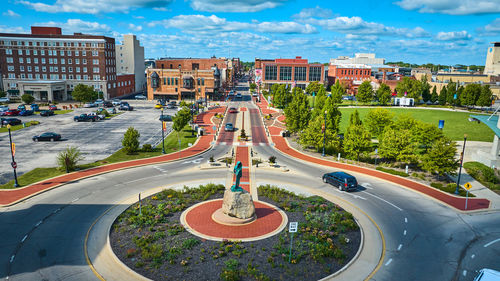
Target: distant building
{"x": 295, "y": 72}
{"x": 492, "y": 66}
{"x": 359, "y": 58}
{"x": 349, "y": 75}
{"x": 130, "y": 60}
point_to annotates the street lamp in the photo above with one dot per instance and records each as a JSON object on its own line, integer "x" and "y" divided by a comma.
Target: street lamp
{"x": 162, "y": 133}
{"x": 324, "y": 135}
{"x": 460, "y": 168}
{"x": 13, "y": 164}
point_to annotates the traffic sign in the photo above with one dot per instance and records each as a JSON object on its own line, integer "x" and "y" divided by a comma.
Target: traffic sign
{"x": 14, "y": 165}
{"x": 164, "y": 126}
{"x": 467, "y": 186}
{"x": 13, "y": 149}
{"x": 293, "y": 227}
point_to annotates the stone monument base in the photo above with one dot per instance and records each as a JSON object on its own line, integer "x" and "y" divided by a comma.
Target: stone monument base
{"x": 219, "y": 217}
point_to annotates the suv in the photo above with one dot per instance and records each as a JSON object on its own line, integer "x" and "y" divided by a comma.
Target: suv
{"x": 342, "y": 180}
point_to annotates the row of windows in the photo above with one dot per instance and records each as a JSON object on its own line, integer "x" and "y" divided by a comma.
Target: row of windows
{"x": 355, "y": 72}
{"x": 56, "y": 44}
{"x": 52, "y": 60}
{"x": 55, "y": 76}
{"x": 170, "y": 81}
{"x": 51, "y": 52}
{"x": 286, "y": 73}
{"x": 52, "y": 69}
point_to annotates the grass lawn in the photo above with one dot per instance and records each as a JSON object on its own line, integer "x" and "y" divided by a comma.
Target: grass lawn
{"x": 171, "y": 145}
{"x": 455, "y": 126}
{"x": 18, "y": 127}
{"x": 56, "y": 112}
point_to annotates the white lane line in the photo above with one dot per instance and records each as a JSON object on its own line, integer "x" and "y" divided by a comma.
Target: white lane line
{"x": 383, "y": 200}
{"x": 406, "y": 220}
{"x": 367, "y": 185}
{"x": 400, "y": 246}
{"x": 24, "y": 238}
{"x": 388, "y": 262}
{"x": 464, "y": 273}
{"x": 74, "y": 200}
{"x": 494, "y": 241}
{"x": 12, "y": 258}
{"x": 473, "y": 256}
{"x": 160, "y": 169}
{"x": 38, "y": 223}
{"x": 56, "y": 210}
{"x": 350, "y": 194}
{"x": 404, "y": 232}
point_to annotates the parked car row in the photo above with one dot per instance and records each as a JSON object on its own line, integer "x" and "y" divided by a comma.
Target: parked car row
{"x": 10, "y": 121}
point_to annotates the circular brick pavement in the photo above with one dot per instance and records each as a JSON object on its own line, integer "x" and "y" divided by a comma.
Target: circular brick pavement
{"x": 198, "y": 220}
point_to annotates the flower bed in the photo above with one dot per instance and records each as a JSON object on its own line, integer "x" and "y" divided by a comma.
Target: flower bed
{"x": 157, "y": 246}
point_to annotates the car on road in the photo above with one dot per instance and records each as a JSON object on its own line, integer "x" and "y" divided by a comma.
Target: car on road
{"x": 165, "y": 118}
{"x": 21, "y": 107}
{"x": 48, "y": 136}
{"x": 171, "y": 106}
{"x": 233, "y": 110}
{"x": 85, "y": 118}
{"x": 158, "y": 106}
{"x": 99, "y": 116}
{"x": 3, "y": 108}
{"x": 108, "y": 104}
{"x": 52, "y": 107}
{"x": 4, "y": 99}
{"x": 342, "y": 180}
{"x": 26, "y": 112}
{"x": 238, "y": 95}
{"x": 116, "y": 102}
{"x": 46, "y": 113}
{"x": 89, "y": 105}
{"x": 486, "y": 274}
{"x": 229, "y": 127}
{"x": 35, "y": 107}
{"x": 140, "y": 97}
{"x": 126, "y": 106}
{"x": 10, "y": 112}
{"x": 10, "y": 121}
{"x": 254, "y": 94}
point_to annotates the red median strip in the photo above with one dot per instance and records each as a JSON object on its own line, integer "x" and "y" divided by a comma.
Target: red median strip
{"x": 10, "y": 196}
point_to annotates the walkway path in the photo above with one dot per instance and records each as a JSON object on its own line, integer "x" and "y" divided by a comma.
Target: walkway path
{"x": 12, "y": 196}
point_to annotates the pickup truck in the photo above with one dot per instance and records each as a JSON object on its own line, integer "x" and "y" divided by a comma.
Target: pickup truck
{"x": 85, "y": 117}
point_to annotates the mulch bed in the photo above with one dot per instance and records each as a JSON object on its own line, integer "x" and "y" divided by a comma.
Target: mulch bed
{"x": 157, "y": 246}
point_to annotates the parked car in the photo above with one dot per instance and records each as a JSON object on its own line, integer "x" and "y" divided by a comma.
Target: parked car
{"x": 342, "y": 180}
{"x": 158, "y": 106}
{"x": 238, "y": 95}
{"x": 4, "y": 99}
{"x": 231, "y": 93}
{"x": 49, "y": 136}
{"x": 10, "y": 121}
{"x": 11, "y": 112}
{"x": 254, "y": 94}
{"x": 229, "y": 127}
{"x": 233, "y": 110}
{"x": 140, "y": 97}
{"x": 3, "y": 108}
{"x": 85, "y": 118}
{"x": 108, "y": 104}
{"x": 99, "y": 116}
{"x": 165, "y": 118}
{"x": 126, "y": 106}
{"x": 89, "y": 105}
{"x": 21, "y": 107}
{"x": 35, "y": 107}
{"x": 52, "y": 107}
{"x": 116, "y": 102}
{"x": 46, "y": 113}
{"x": 171, "y": 106}
{"x": 486, "y": 274}
{"x": 98, "y": 102}
{"x": 173, "y": 102}
{"x": 26, "y": 112}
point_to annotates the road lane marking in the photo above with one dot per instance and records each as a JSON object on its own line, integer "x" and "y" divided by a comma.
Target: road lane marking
{"x": 24, "y": 238}
{"x": 406, "y": 220}
{"x": 404, "y": 232}
{"x": 367, "y": 185}
{"x": 39, "y": 223}
{"x": 400, "y": 246}
{"x": 464, "y": 273}
{"x": 388, "y": 262}
{"x": 74, "y": 200}
{"x": 494, "y": 241}
{"x": 56, "y": 210}
{"x": 384, "y": 201}
{"x": 12, "y": 258}
{"x": 160, "y": 169}
{"x": 473, "y": 256}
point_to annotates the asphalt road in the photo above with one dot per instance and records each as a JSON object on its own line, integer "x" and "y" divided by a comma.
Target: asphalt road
{"x": 96, "y": 140}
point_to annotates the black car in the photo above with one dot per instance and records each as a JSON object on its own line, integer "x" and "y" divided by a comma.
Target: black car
{"x": 126, "y": 106}
{"x": 46, "y": 113}
{"x": 342, "y": 180}
{"x": 10, "y": 121}
{"x": 165, "y": 118}
{"x": 108, "y": 104}
{"x": 49, "y": 136}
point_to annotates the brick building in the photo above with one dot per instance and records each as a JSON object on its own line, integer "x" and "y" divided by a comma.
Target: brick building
{"x": 288, "y": 71}
{"x": 48, "y": 64}
{"x": 350, "y": 75}
{"x": 125, "y": 84}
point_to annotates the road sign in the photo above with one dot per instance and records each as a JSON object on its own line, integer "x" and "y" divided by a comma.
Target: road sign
{"x": 14, "y": 165}
{"x": 164, "y": 126}
{"x": 293, "y": 227}
{"x": 13, "y": 149}
{"x": 467, "y": 186}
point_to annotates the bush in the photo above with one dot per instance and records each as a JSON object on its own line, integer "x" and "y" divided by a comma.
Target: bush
{"x": 272, "y": 159}
{"x": 484, "y": 174}
{"x": 130, "y": 140}
{"x": 27, "y": 98}
{"x": 147, "y": 147}
{"x": 243, "y": 135}
{"x": 68, "y": 158}
{"x": 393, "y": 172}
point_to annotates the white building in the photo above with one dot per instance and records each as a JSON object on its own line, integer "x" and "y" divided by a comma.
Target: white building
{"x": 130, "y": 60}
{"x": 492, "y": 66}
{"x": 359, "y": 58}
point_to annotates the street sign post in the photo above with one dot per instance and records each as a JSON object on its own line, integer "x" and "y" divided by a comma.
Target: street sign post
{"x": 467, "y": 186}
{"x": 292, "y": 228}
{"x": 13, "y": 149}
{"x": 14, "y": 165}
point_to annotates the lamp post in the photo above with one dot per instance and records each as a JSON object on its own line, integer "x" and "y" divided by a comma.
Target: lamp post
{"x": 162, "y": 133}
{"x": 14, "y": 164}
{"x": 460, "y": 168}
{"x": 324, "y": 136}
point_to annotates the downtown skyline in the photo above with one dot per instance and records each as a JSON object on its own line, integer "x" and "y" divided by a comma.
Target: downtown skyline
{"x": 419, "y": 31}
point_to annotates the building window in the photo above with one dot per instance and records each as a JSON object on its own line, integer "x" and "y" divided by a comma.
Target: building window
{"x": 96, "y": 69}
{"x": 56, "y": 69}
{"x": 300, "y": 73}
{"x": 69, "y": 53}
{"x": 20, "y": 52}
{"x": 28, "y": 60}
{"x": 315, "y": 73}
{"x": 8, "y": 51}
{"x": 63, "y": 76}
{"x": 44, "y": 69}
{"x": 78, "y": 77}
{"x": 63, "y": 61}
{"x": 51, "y": 69}
{"x": 43, "y": 60}
{"x": 70, "y": 61}
{"x": 21, "y": 60}
{"x": 63, "y": 68}
{"x": 30, "y": 76}
{"x": 77, "y": 70}
{"x": 42, "y": 52}
{"x": 37, "y": 76}
{"x": 55, "y": 61}
{"x": 77, "y": 61}
{"x": 51, "y": 61}
{"x": 203, "y": 81}
{"x": 37, "y": 69}
{"x": 94, "y": 53}
{"x": 21, "y": 68}
{"x": 29, "y": 68}
{"x": 10, "y": 68}
{"x": 84, "y": 61}
{"x": 77, "y": 53}
{"x": 85, "y": 70}
{"x": 27, "y": 52}
{"x": 84, "y": 53}
{"x": 23, "y": 76}
{"x": 168, "y": 81}
{"x": 35, "y": 52}
{"x": 95, "y": 61}
{"x": 85, "y": 77}
{"x": 164, "y": 81}
{"x": 12, "y": 75}
{"x": 176, "y": 81}
{"x": 285, "y": 73}
{"x": 271, "y": 72}
{"x": 70, "y": 69}
{"x": 10, "y": 60}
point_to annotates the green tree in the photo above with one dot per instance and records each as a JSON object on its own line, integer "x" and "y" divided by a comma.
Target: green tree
{"x": 451, "y": 91}
{"x": 471, "y": 94}
{"x": 485, "y": 97}
{"x": 411, "y": 87}
{"x": 130, "y": 140}
{"x": 313, "y": 135}
{"x": 180, "y": 120}
{"x": 253, "y": 86}
{"x": 337, "y": 92}
{"x": 313, "y": 87}
{"x": 84, "y": 93}
{"x": 2, "y": 94}
{"x": 425, "y": 135}
{"x": 425, "y": 89}
{"x": 440, "y": 158}
{"x": 27, "y": 98}
{"x": 354, "y": 118}
{"x": 442, "y": 96}
{"x": 377, "y": 120}
{"x": 68, "y": 158}
{"x": 297, "y": 112}
{"x": 434, "y": 95}
{"x": 398, "y": 145}
{"x": 333, "y": 115}
{"x": 384, "y": 94}
{"x": 282, "y": 96}
{"x": 365, "y": 92}
{"x": 357, "y": 140}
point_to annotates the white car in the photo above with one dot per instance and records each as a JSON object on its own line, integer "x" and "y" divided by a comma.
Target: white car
{"x": 140, "y": 97}
{"x": 116, "y": 102}
{"x": 4, "y": 99}
{"x": 89, "y": 104}
{"x": 3, "y": 108}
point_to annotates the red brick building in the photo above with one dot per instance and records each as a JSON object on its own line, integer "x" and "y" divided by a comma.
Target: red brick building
{"x": 350, "y": 75}
{"x": 125, "y": 84}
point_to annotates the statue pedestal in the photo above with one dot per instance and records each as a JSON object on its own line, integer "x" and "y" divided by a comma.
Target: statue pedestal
{"x": 237, "y": 208}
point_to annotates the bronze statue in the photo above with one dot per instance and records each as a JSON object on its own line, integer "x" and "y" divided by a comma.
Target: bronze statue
{"x": 238, "y": 171}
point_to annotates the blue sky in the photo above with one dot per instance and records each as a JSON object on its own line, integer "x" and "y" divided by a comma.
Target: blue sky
{"x": 418, "y": 31}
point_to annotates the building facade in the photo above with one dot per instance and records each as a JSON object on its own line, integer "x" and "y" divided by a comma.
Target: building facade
{"x": 297, "y": 72}
{"x": 492, "y": 66}
{"x": 359, "y": 58}
{"x": 130, "y": 60}
{"x": 47, "y": 56}
{"x": 350, "y": 75}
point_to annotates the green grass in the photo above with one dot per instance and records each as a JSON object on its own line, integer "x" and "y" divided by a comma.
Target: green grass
{"x": 171, "y": 145}
{"x": 455, "y": 126}
{"x": 56, "y": 112}
{"x": 450, "y": 188}
{"x": 18, "y": 127}
{"x": 483, "y": 174}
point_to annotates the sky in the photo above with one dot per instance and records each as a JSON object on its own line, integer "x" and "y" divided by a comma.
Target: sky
{"x": 417, "y": 31}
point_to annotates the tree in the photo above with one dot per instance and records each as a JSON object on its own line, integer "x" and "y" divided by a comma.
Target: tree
{"x": 297, "y": 112}
{"x": 398, "y": 145}
{"x": 434, "y": 95}
{"x": 384, "y": 94}
{"x": 411, "y": 87}
{"x": 253, "y": 86}
{"x": 2, "y": 94}
{"x": 425, "y": 135}
{"x": 130, "y": 140}
{"x": 313, "y": 87}
{"x": 440, "y": 158}
{"x": 425, "y": 89}
{"x": 180, "y": 120}
{"x": 313, "y": 136}
{"x": 442, "y": 96}
{"x": 357, "y": 140}
{"x": 377, "y": 120}
{"x": 337, "y": 92}
{"x": 27, "y": 98}
{"x": 68, "y": 158}
{"x": 84, "y": 93}
{"x": 471, "y": 94}
{"x": 282, "y": 96}
{"x": 485, "y": 97}
{"x": 365, "y": 92}
{"x": 333, "y": 115}
{"x": 451, "y": 90}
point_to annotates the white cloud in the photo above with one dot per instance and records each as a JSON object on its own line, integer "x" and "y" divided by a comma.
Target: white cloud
{"x": 95, "y": 6}
{"x": 10, "y": 29}
{"x": 453, "y": 35}
{"x": 135, "y": 27}
{"x": 205, "y": 24}
{"x": 160, "y": 9}
{"x": 80, "y": 26}
{"x": 316, "y": 12}
{"x": 491, "y": 29}
{"x": 238, "y": 6}
{"x": 138, "y": 17}
{"x": 452, "y": 7}
{"x": 10, "y": 13}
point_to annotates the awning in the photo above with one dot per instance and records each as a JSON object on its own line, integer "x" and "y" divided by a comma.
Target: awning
{"x": 491, "y": 123}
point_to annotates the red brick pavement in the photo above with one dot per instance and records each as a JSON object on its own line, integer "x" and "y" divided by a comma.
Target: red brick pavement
{"x": 282, "y": 118}
{"x": 11, "y": 196}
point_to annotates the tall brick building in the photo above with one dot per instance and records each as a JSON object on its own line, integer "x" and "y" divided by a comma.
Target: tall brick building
{"x": 349, "y": 75}
{"x": 48, "y": 64}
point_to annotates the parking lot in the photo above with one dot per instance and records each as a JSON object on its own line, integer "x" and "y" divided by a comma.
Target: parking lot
{"x": 96, "y": 140}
